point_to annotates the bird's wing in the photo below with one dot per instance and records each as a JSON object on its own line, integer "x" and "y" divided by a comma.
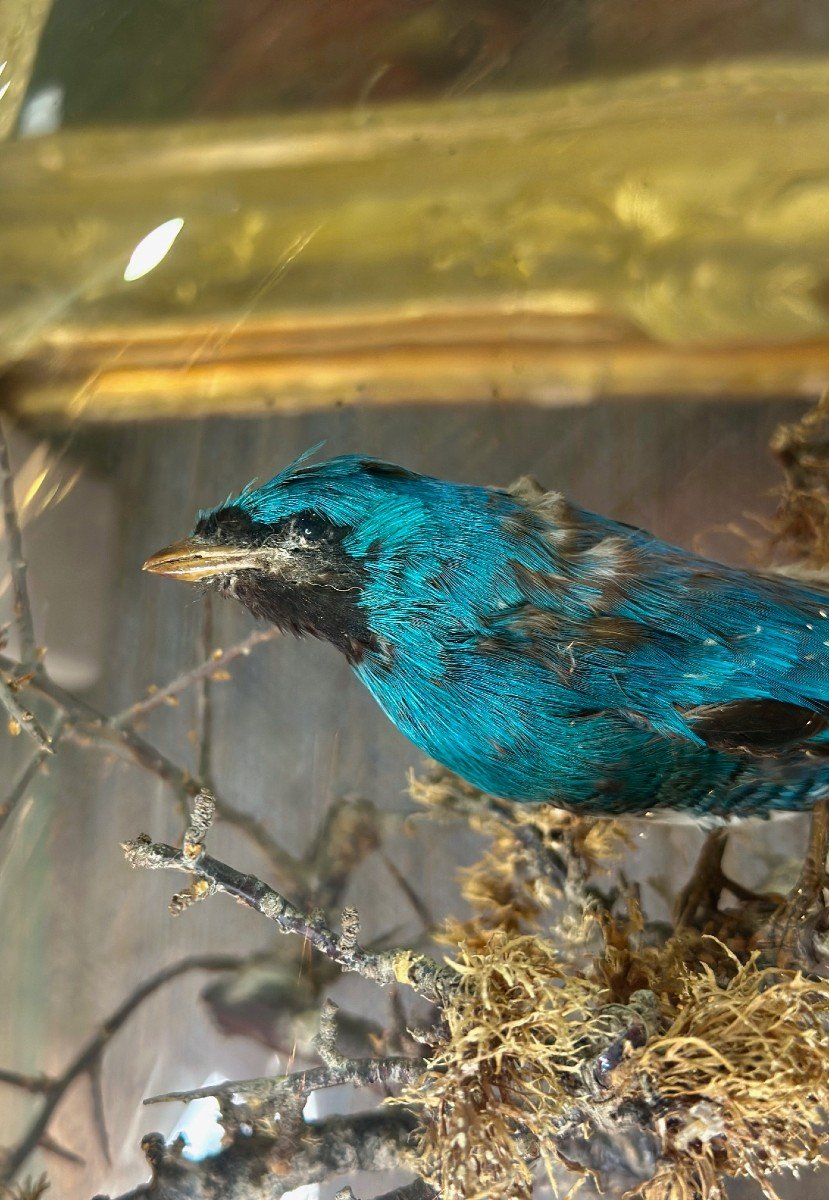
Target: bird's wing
{"x": 716, "y": 656}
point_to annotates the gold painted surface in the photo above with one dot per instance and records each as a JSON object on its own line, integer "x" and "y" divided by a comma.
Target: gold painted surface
{"x": 549, "y": 375}
{"x": 21, "y": 24}
{"x": 662, "y": 233}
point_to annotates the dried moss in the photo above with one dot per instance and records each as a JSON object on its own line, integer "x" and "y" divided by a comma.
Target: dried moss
{"x": 511, "y": 888}
{"x": 801, "y": 523}
{"x": 737, "y": 1078}
{"x": 741, "y": 1073}
{"x": 518, "y": 1032}
{"x": 729, "y": 1065}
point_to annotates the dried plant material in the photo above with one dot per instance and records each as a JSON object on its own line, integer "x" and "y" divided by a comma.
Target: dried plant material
{"x": 739, "y": 1079}
{"x": 518, "y": 1032}
{"x": 727, "y": 1063}
{"x": 440, "y": 790}
{"x": 537, "y": 853}
{"x": 595, "y": 841}
{"x": 500, "y": 891}
{"x": 801, "y": 524}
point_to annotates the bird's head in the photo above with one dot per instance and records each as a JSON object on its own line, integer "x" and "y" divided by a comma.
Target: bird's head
{"x": 315, "y": 549}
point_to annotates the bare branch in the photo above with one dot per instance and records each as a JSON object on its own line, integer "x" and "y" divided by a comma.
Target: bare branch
{"x": 384, "y": 967}
{"x": 22, "y": 718}
{"x": 214, "y": 664}
{"x": 17, "y": 563}
{"x": 346, "y": 836}
{"x": 89, "y": 1054}
{"x": 99, "y": 1109}
{"x": 27, "y": 773}
{"x": 417, "y": 902}
{"x": 88, "y": 726}
{"x": 51, "y": 1146}
{"x": 37, "y": 1084}
{"x": 204, "y": 699}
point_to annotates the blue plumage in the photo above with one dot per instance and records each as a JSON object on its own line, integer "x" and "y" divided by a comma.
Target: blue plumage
{"x": 542, "y": 652}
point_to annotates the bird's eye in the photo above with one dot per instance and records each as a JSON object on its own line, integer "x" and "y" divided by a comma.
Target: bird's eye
{"x": 309, "y": 527}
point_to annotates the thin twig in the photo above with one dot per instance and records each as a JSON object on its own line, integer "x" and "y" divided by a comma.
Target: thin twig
{"x": 22, "y": 718}
{"x": 37, "y": 1084}
{"x": 27, "y": 773}
{"x": 88, "y": 1056}
{"x": 48, "y": 1143}
{"x": 17, "y": 563}
{"x": 214, "y": 664}
{"x": 88, "y": 726}
{"x": 204, "y": 700}
{"x": 359, "y": 1072}
{"x": 99, "y": 1109}
{"x": 385, "y": 967}
{"x": 415, "y": 899}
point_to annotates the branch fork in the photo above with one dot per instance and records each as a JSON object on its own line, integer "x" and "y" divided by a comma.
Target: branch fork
{"x": 385, "y": 967}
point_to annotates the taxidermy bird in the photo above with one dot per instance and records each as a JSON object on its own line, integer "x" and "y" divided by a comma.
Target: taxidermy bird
{"x": 541, "y": 652}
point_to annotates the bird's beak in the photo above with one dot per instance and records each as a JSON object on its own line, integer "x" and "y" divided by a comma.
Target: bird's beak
{"x": 193, "y": 560}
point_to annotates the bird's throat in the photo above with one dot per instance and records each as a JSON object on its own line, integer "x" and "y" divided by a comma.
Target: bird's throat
{"x": 330, "y": 610}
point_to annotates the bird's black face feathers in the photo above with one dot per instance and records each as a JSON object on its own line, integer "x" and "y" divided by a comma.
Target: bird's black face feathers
{"x": 318, "y": 587}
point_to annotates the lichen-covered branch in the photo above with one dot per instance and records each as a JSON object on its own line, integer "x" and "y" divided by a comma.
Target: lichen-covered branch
{"x": 265, "y": 1168}
{"x": 270, "y": 1147}
{"x": 279, "y": 1091}
{"x": 385, "y": 967}
{"x": 416, "y": 1190}
{"x": 541, "y": 859}
{"x": 255, "y": 1101}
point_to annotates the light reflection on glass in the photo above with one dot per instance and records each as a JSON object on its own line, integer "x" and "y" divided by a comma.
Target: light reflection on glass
{"x": 152, "y": 249}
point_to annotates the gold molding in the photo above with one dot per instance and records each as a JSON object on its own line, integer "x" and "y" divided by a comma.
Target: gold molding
{"x": 664, "y": 233}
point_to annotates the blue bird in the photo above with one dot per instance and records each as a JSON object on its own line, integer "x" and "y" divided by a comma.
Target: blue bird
{"x": 541, "y": 652}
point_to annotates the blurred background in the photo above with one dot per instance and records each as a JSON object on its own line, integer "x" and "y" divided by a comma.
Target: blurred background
{"x": 579, "y": 239}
